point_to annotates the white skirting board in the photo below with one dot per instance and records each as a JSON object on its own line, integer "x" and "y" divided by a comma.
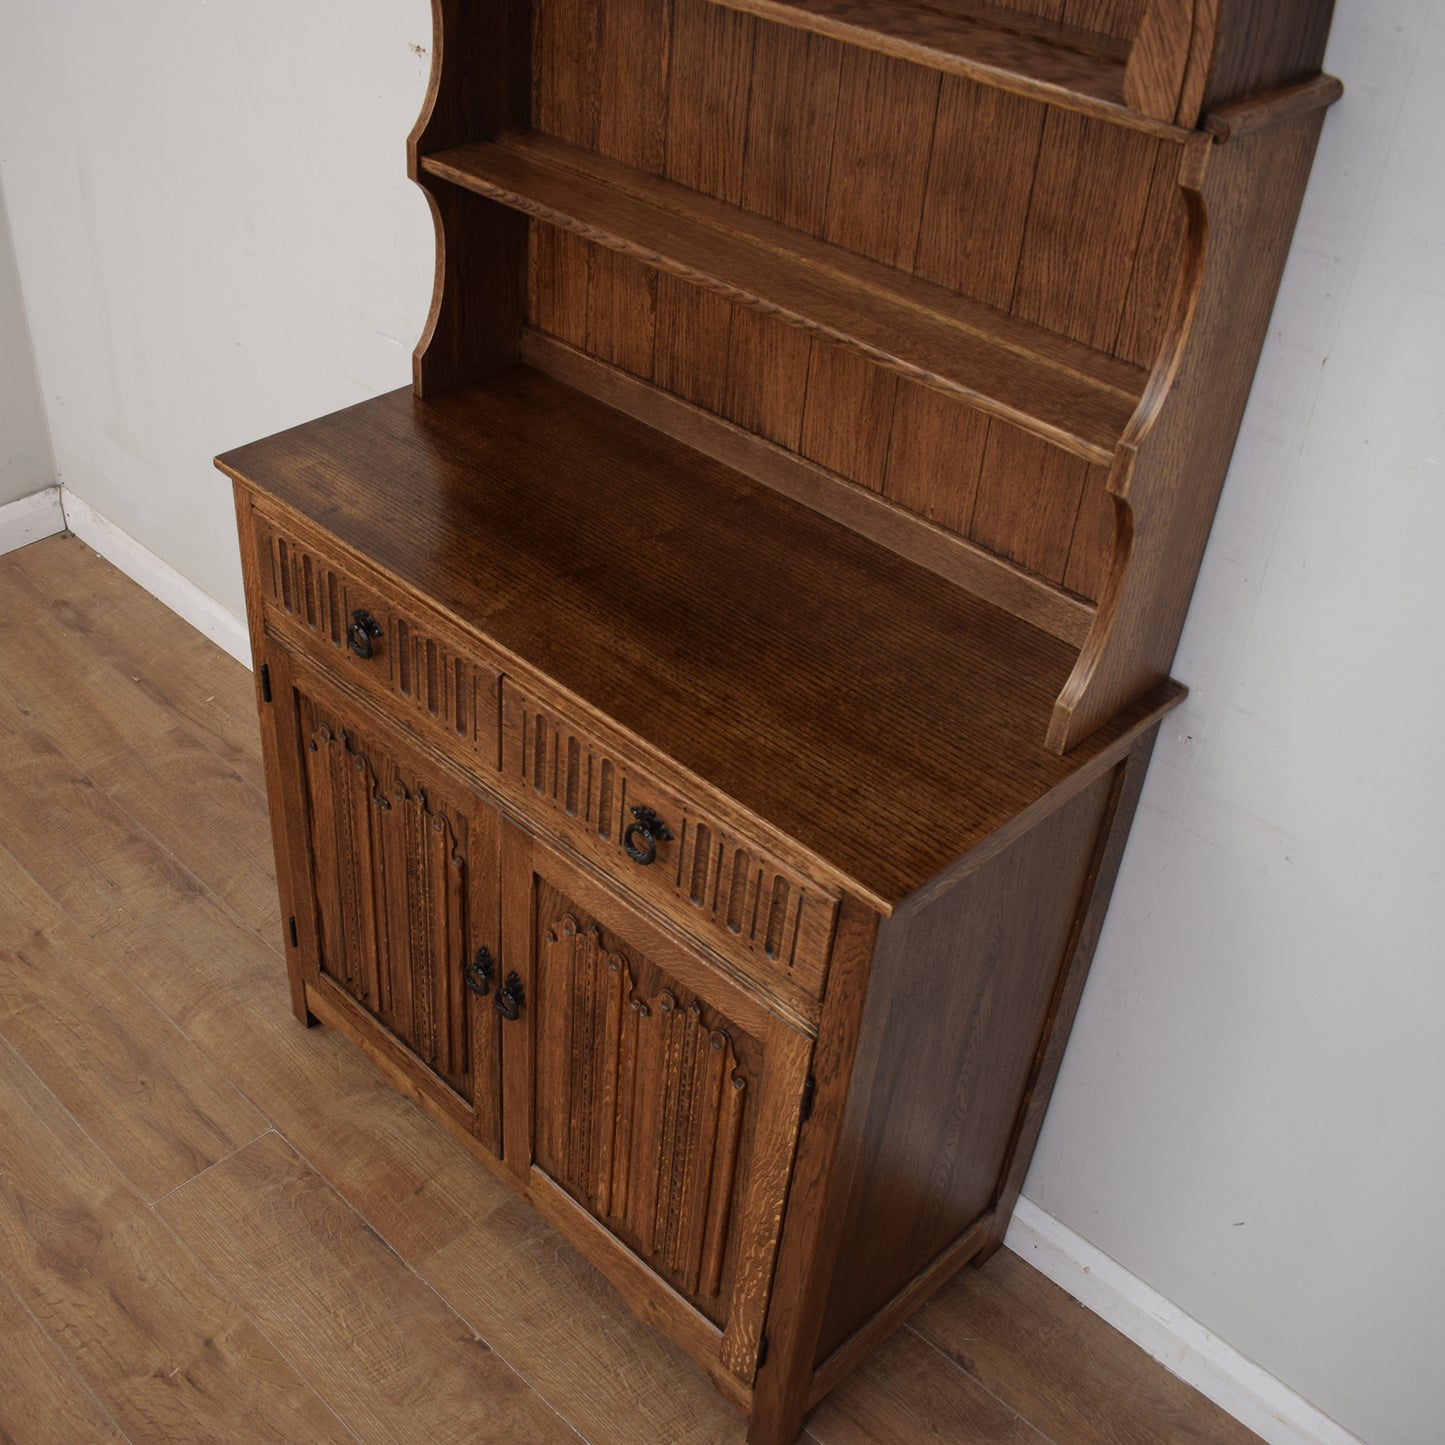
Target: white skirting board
{"x": 57, "y": 508}
{"x": 1105, "y": 1287}
{"x": 31, "y": 518}
{"x": 1180, "y": 1343}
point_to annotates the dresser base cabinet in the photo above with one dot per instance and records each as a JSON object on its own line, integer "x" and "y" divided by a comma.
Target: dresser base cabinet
{"x": 704, "y": 713}
{"x": 775, "y": 1185}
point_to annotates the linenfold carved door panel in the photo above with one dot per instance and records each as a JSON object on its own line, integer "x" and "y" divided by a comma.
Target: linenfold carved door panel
{"x": 662, "y": 1116}
{"x": 402, "y": 865}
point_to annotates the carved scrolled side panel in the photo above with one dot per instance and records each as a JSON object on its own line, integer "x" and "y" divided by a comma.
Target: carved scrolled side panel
{"x": 480, "y": 86}
{"x": 645, "y": 1102}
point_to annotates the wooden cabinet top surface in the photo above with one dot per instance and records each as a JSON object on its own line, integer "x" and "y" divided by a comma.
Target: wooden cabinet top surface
{"x": 887, "y": 721}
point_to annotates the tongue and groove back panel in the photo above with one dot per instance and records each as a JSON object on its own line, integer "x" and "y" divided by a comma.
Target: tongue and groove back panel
{"x": 950, "y": 273}
{"x": 905, "y": 165}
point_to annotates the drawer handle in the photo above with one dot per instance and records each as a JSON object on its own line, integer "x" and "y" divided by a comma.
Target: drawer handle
{"x": 362, "y": 634}
{"x": 510, "y": 997}
{"x": 649, "y": 830}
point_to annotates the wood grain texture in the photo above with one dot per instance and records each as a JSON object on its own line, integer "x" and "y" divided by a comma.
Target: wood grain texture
{"x": 1247, "y": 192}
{"x": 1039, "y": 377}
{"x": 961, "y": 991}
{"x": 792, "y": 111}
{"x": 904, "y": 1392}
{"x": 993, "y": 1321}
{"x": 546, "y": 1312}
{"x": 710, "y": 82}
{"x": 935, "y": 450}
{"x": 165, "y": 1350}
{"x": 43, "y": 1401}
{"x": 555, "y": 1318}
{"x": 885, "y": 109}
{"x": 821, "y": 623}
{"x": 1154, "y": 76}
{"x": 185, "y": 795}
{"x": 332, "y": 1295}
{"x": 144, "y": 1094}
{"x": 183, "y": 673}
{"x": 1028, "y": 53}
{"x": 1259, "y": 48}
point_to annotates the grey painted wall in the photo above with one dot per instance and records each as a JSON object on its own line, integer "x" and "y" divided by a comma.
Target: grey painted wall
{"x": 26, "y": 464}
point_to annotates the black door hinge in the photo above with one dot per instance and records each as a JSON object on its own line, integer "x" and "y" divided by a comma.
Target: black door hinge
{"x": 294, "y": 939}
{"x": 810, "y": 1087}
{"x": 762, "y": 1352}
{"x": 265, "y": 682}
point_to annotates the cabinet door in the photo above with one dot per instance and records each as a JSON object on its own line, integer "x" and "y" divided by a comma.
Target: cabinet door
{"x": 399, "y": 865}
{"x": 664, "y": 1104}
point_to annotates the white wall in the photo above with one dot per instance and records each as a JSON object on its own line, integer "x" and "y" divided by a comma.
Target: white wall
{"x": 1250, "y": 1115}
{"x": 215, "y": 240}
{"x": 25, "y": 461}
{"x": 215, "y": 235}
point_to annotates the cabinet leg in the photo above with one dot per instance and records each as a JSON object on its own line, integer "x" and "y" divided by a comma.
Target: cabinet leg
{"x": 298, "y": 1000}
{"x": 776, "y": 1427}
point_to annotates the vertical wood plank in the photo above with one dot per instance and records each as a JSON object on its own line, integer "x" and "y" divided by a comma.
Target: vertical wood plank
{"x": 1028, "y": 494}
{"x": 708, "y": 109}
{"x": 767, "y": 373}
{"x": 1149, "y": 303}
{"x": 1091, "y": 548}
{"x": 790, "y": 127}
{"x": 887, "y": 111}
{"x": 564, "y": 69}
{"x": 557, "y": 294}
{"x": 1084, "y": 223}
{"x": 621, "y": 311}
{"x": 632, "y": 63}
{"x": 935, "y": 456}
{"x": 848, "y": 415}
{"x": 977, "y": 201}
{"x": 692, "y": 338}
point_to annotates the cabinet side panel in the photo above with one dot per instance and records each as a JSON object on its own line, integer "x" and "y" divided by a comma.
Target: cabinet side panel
{"x": 963, "y": 983}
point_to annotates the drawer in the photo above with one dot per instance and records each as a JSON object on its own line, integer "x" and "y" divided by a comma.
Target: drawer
{"x": 416, "y": 669}
{"x": 720, "y": 887}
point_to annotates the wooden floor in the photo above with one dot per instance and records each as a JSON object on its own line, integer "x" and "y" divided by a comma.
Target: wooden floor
{"x": 216, "y": 1225}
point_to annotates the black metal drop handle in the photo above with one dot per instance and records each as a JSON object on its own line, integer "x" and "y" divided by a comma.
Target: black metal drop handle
{"x": 362, "y": 634}
{"x": 480, "y": 972}
{"x": 510, "y": 997}
{"x": 649, "y": 830}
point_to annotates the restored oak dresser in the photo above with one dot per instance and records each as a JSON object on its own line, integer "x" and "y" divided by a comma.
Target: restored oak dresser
{"x": 703, "y": 716}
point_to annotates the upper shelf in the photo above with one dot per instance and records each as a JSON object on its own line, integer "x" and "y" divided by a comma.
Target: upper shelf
{"x": 1055, "y": 388}
{"x": 1134, "y": 84}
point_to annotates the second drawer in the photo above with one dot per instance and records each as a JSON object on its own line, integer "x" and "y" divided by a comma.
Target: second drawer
{"x": 776, "y": 924}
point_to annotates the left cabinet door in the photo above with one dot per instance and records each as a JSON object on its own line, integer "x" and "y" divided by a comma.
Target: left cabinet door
{"x": 394, "y": 873}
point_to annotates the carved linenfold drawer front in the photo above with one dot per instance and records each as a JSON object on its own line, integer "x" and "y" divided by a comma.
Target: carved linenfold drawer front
{"x": 722, "y": 888}
{"x": 389, "y": 649}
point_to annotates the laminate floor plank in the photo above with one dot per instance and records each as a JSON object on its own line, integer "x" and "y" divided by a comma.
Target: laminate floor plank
{"x": 226, "y": 988}
{"x": 203, "y": 810}
{"x": 558, "y": 1320}
{"x": 1062, "y": 1367}
{"x": 148, "y": 648}
{"x": 42, "y": 1399}
{"x": 155, "y": 1105}
{"x": 123, "y": 731}
{"x": 398, "y": 1364}
{"x": 166, "y": 1352}
{"x": 60, "y": 684}
{"x": 907, "y": 1390}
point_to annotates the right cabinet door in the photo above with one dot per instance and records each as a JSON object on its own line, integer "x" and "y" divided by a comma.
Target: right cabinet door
{"x": 664, "y": 1101}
